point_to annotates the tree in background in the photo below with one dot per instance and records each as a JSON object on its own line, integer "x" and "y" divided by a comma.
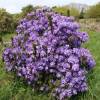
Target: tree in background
{"x": 81, "y": 16}
{"x": 6, "y": 22}
{"x": 68, "y": 12}
{"x": 93, "y": 11}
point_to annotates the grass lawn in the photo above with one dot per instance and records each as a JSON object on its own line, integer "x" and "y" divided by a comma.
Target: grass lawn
{"x": 15, "y": 89}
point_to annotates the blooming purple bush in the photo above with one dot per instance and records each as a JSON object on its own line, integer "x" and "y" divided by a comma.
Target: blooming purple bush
{"x": 47, "y": 53}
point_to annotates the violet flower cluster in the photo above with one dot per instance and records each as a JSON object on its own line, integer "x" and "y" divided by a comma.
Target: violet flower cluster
{"x": 47, "y": 53}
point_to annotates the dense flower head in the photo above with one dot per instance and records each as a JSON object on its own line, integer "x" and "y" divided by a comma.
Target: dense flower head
{"x": 47, "y": 53}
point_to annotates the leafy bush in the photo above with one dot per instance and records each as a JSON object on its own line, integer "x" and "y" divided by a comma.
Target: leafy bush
{"x": 47, "y": 53}
{"x": 6, "y": 22}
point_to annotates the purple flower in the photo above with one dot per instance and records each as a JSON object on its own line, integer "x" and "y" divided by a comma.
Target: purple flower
{"x": 47, "y": 54}
{"x": 75, "y": 67}
{"x": 73, "y": 59}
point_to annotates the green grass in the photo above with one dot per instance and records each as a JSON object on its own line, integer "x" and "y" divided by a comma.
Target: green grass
{"x": 12, "y": 88}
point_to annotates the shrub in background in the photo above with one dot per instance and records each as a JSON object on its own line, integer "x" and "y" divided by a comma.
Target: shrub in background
{"x": 47, "y": 53}
{"x": 93, "y": 11}
{"x": 67, "y": 11}
{"x": 6, "y": 22}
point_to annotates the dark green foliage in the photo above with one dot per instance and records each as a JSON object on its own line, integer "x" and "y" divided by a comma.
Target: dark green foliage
{"x": 1, "y": 40}
{"x": 68, "y": 12}
{"x": 81, "y": 16}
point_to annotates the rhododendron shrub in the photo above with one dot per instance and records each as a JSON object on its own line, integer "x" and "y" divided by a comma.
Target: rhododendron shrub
{"x": 47, "y": 54}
